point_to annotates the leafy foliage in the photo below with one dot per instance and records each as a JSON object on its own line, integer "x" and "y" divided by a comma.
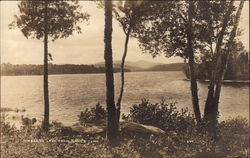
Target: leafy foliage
{"x": 235, "y": 125}
{"x": 63, "y": 17}
{"x": 237, "y": 69}
{"x": 238, "y": 63}
{"x": 93, "y": 114}
{"x": 6, "y": 128}
{"x": 230, "y": 131}
{"x": 132, "y": 15}
{"x": 162, "y": 115}
{"x": 166, "y": 31}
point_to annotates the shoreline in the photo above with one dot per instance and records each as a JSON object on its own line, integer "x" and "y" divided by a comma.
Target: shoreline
{"x": 224, "y": 81}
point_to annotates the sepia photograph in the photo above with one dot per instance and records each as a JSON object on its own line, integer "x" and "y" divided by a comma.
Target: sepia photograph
{"x": 124, "y": 79}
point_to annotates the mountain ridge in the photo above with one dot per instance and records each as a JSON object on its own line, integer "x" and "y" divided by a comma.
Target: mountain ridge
{"x": 142, "y": 65}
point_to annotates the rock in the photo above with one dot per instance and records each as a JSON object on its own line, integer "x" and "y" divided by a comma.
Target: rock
{"x": 128, "y": 127}
{"x": 89, "y": 129}
{"x": 68, "y": 131}
{"x": 141, "y": 129}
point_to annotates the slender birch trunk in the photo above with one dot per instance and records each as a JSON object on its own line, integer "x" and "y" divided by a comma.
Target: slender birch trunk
{"x": 45, "y": 74}
{"x": 194, "y": 88}
{"x": 228, "y": 52}
{"x": 122, "y": 74}
{"x": 210, "y": 113}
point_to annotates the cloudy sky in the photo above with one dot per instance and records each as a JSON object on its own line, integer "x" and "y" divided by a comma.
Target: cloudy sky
{"x": 85, "y": 48}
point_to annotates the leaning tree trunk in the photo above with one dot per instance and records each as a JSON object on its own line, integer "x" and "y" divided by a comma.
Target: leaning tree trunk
{"x": 122, "y": 75}
{"x": 45, "y": 73}
{"x": 211, "y": 113}
{"x": 112, "y": 124}
{"x": 194, "y": 88}
{"x": 228, "y": 51}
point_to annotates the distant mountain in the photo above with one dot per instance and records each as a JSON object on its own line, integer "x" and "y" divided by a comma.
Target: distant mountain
{"x": 132, "y": 66}
{"x": 168, "y": 67}
{"x": 142, "y": 65}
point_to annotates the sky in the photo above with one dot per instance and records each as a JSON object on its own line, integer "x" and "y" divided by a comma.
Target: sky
{"x": 85, "y": 48}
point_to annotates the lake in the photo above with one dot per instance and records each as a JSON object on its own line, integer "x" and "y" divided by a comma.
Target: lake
{"x": 71, "y": 94}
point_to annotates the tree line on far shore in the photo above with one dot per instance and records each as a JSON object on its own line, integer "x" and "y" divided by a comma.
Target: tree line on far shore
{"x": 237, "y": 69}
{"x": 8, "y": 69}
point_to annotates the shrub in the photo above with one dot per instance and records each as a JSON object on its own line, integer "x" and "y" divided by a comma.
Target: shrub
{"x": 163, "y": 115}
{"x": 238, "y": 125}
{"x": 5, "y": 126}
{"x": 93, "y": 114}
{"x": 233, "y": 137}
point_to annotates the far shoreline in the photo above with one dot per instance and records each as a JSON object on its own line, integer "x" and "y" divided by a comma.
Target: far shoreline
{"x": 224, "y": 81}
{"x": 86, "y": 73}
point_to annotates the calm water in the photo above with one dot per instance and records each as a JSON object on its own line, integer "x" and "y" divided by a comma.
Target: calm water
{"x": 70, "y": 94}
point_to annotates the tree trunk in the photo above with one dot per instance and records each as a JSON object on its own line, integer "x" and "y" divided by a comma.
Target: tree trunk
{"x": 45, "y": 73}
{"x": 122, "y": 75}
{"x": 210, "y": 113}
{"x": 194, "y": 88}
{"x": 228, "y": 51}
{"x": 112, "y": 124}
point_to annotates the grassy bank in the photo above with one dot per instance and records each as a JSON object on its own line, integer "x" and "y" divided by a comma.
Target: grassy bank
{"x": 179, "y": 140}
